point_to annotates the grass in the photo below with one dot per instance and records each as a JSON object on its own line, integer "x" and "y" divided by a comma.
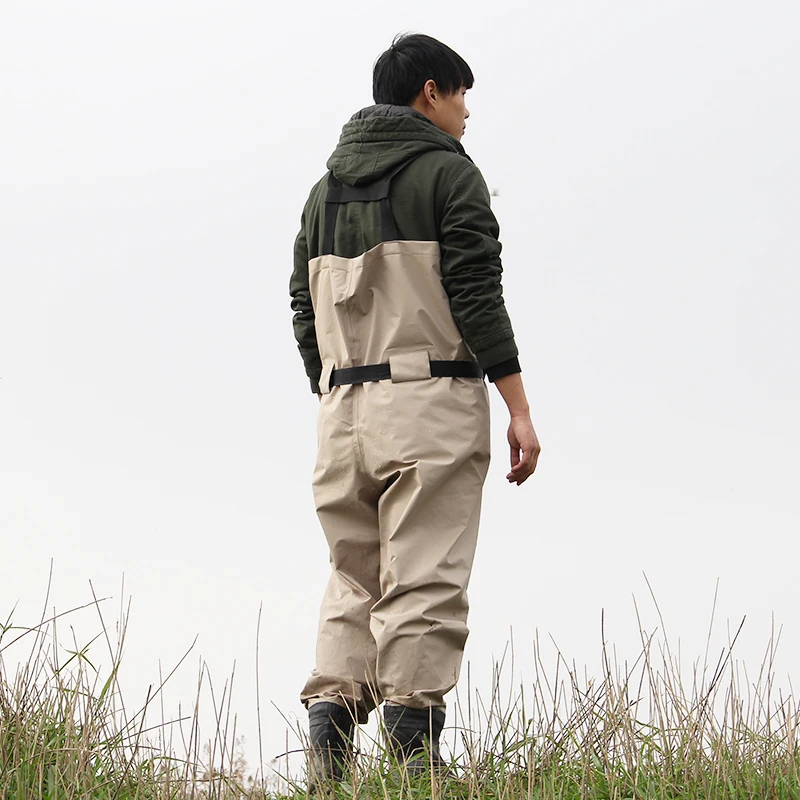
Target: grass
{"x": 643, "y": 731}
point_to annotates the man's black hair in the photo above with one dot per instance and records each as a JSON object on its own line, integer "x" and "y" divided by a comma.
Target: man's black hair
{"x": 411, "y": 61}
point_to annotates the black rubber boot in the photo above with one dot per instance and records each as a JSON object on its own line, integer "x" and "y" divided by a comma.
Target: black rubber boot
{"x": 413, "y": 735}
{"x": 331, "y": 734}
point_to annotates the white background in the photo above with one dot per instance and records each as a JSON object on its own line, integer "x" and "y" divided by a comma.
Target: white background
{"x": 155, "y": 419}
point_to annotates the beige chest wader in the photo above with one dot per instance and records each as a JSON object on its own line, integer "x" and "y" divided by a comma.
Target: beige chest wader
{"x": 403, "y": 453}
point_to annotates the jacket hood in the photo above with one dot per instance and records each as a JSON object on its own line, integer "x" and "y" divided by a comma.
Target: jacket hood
{"x": 378, "y": 138}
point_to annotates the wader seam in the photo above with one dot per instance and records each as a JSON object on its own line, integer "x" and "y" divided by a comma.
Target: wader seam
{"x": 357, "y": 429}
{"x": 348, "y": 314}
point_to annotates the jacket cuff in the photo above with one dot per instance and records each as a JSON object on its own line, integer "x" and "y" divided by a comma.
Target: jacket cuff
{"x": 314, "y": 384}
{"x": 497, "y": 354}
{"x": 502, "y": 369}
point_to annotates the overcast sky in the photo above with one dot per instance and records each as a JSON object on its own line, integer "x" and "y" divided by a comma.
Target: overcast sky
{"x": 155, "y": 419}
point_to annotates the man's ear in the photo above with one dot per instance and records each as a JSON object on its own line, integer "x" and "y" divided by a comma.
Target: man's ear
{"x": 431, "y": 91}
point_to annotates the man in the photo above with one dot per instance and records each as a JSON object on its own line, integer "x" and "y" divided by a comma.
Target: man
{"x": 398, "y": 314}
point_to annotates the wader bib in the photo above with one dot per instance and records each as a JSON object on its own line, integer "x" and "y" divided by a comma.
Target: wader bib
{"x": 403, "y": 453}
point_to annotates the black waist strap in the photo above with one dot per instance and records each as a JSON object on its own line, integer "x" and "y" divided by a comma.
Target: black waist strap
{"x": 382, "y": 372}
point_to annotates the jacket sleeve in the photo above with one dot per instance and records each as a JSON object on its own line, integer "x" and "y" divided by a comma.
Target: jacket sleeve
{"x": 472, "y": 272}
{"x": 304, "y": 331}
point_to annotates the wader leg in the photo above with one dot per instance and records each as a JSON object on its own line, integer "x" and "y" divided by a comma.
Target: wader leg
{"x": 429, "y": 525}
{"x": 347, "y": 509}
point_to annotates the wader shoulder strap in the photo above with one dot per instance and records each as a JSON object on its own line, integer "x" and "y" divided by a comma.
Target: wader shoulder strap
{"x": 378, "y": 191}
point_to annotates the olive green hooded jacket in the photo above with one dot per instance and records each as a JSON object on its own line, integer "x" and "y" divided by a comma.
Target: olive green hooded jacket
{"x": 440, "y": 196}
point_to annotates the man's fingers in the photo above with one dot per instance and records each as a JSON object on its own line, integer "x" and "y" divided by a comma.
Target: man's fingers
{"x": 525, "y": 466}
{"x": 524, "y": 451}
{"x": 521, "y": 463}
{"x": 518, "y": 465}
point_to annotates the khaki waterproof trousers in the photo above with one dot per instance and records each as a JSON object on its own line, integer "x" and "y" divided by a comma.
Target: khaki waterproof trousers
{"x": 398, "y": 480}
{"x": 398, "y": 492}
